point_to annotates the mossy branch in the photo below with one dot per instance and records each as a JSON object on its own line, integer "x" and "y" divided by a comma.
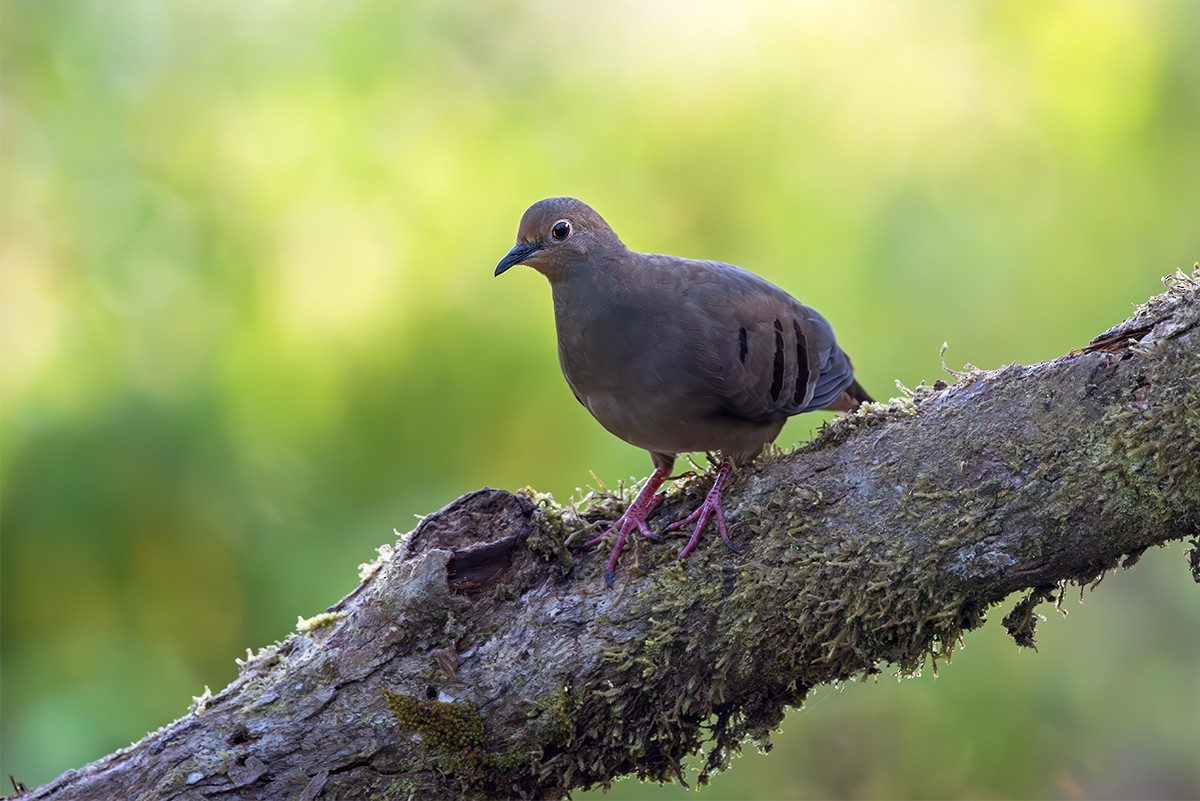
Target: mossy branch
{"x": 483, "y": 657}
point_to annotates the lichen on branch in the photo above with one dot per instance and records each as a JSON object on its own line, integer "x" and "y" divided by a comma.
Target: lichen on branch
{"x": 483, "y": 657}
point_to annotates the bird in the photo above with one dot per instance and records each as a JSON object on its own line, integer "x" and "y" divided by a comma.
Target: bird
{"x": 677, "y": 355}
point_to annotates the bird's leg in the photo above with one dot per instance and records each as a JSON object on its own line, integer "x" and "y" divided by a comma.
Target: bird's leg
{"x": 634, "y": 518}
{"x": 711, "y": 507}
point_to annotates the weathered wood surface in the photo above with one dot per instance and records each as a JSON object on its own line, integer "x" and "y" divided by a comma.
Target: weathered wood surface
{"x": 483, "y": 657}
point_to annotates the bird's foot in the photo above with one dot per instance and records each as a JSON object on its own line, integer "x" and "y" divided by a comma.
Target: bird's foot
{"x": 634, "y": 519}
{"x": 710, "y": 508}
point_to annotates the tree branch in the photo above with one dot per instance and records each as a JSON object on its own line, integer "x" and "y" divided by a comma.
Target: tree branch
{"x": 481, "y": 657}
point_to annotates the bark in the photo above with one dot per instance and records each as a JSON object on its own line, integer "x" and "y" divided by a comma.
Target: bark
{"x": 483, "y": 656}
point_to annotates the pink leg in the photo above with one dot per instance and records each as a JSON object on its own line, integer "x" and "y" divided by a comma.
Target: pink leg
{"x": 634, "y": 518}
{"x": 711, "y": 507}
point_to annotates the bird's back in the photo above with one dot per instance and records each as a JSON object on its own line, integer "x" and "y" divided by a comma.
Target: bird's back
{"x": 678, "y": 355}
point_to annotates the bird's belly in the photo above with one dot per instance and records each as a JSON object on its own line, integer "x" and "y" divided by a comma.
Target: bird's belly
{"x": 674, "y": 426}
{"x": 661, "y": 392}
{"x": 643, "y": 422}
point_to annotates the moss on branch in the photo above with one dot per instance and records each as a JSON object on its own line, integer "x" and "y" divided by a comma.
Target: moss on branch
{"x": 482, "y": 657}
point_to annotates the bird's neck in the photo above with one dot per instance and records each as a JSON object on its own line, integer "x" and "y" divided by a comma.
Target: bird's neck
{"x": 586, "y": 297}
{"x": 574, "y": 303}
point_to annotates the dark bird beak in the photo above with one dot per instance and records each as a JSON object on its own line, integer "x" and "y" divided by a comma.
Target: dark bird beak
{"x": 519, "y": 253}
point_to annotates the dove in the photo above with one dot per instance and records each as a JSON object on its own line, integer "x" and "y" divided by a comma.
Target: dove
{"x": 677, "y": 355}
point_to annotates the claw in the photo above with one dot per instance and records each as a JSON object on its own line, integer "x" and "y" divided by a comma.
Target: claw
{"x": 633, "y": 519}
{"x": 708, "y": 509}
{"x": 594, "y": 541}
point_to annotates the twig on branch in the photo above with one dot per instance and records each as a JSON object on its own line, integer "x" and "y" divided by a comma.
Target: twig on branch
{"x": 481, "y": 657}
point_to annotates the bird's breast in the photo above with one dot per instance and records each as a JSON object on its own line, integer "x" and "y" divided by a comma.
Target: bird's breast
{"x": 648, "y": 383}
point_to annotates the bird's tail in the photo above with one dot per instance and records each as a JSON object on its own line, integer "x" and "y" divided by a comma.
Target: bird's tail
{"x": 851, "y": 398}
{"x": 859, "y": 394}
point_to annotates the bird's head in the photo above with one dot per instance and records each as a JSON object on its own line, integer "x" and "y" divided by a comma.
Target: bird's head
{"x": 558, "y": 234}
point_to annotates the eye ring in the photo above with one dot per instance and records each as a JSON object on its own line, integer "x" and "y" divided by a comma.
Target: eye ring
{"x": 560, "y": 230}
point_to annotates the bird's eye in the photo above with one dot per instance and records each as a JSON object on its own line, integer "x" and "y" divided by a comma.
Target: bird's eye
{"x": 560, "y": 230}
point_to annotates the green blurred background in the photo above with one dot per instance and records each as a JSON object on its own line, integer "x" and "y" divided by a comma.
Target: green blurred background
{"x": 249, "y": 324}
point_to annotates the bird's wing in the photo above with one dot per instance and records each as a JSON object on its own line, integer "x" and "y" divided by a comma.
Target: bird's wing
{"x": 775, "y": 356}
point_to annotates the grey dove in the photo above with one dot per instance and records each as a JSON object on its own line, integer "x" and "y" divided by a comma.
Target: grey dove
{"x": 676, "y": 355}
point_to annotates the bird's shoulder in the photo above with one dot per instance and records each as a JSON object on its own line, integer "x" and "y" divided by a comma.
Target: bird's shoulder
{"x": 724, "y": 292}
{"x": 773, "y": 355}
{"x": 713, "y": 283}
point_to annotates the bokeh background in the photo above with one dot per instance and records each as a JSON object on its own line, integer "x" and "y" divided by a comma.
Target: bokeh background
{"x": 249, "y": 323}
